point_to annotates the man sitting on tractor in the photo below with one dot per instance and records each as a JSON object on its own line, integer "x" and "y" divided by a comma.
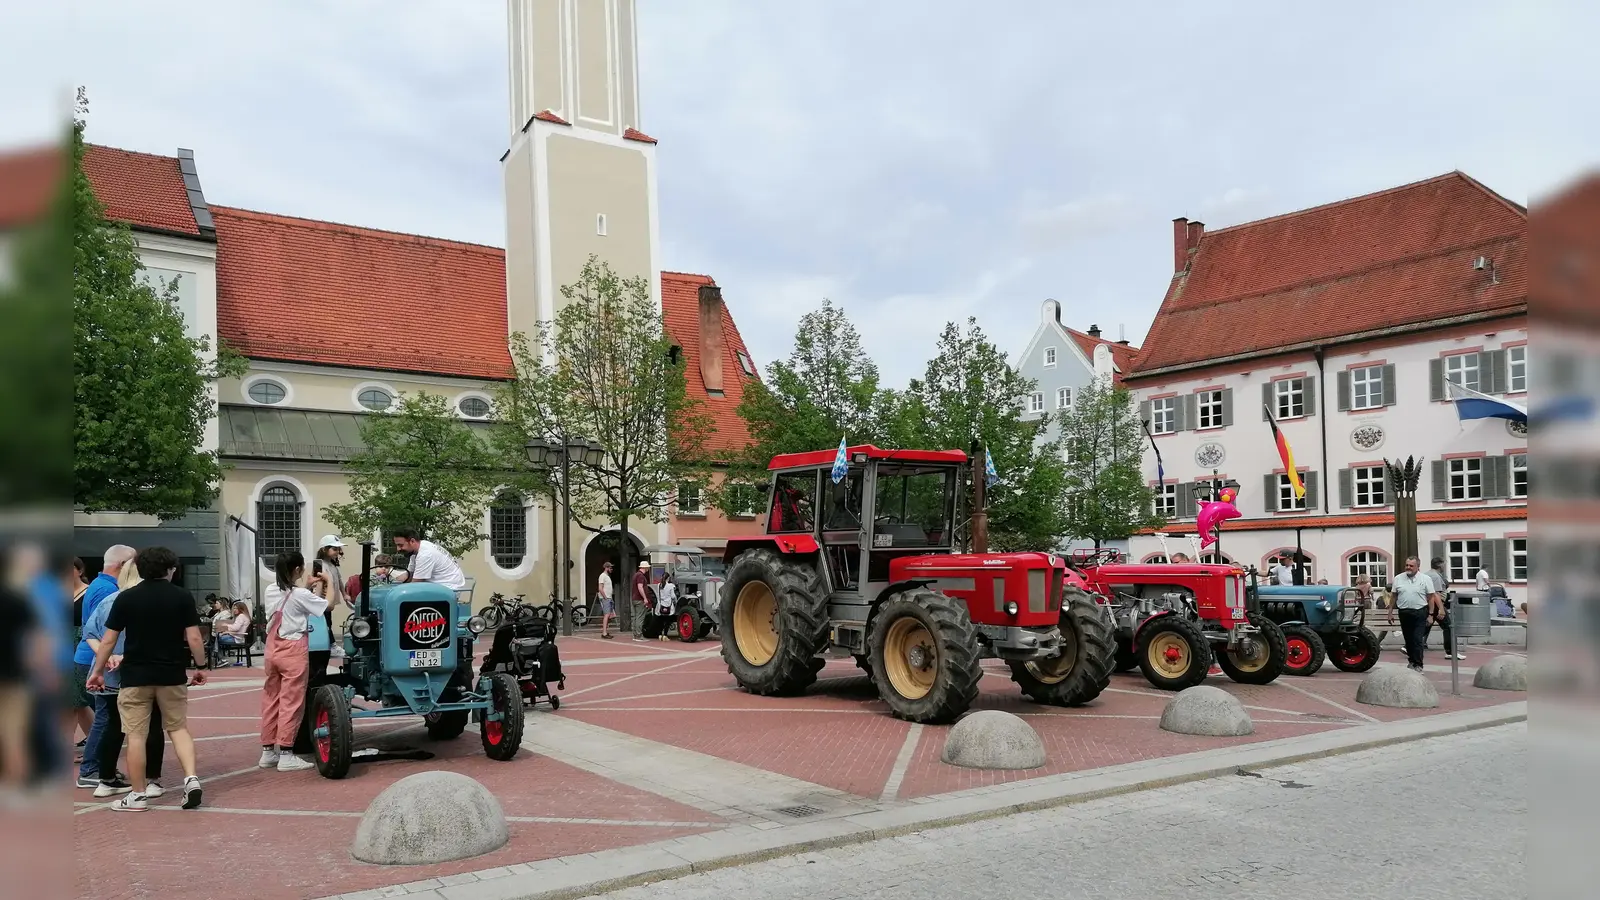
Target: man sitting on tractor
{"x": 429, "y": 562}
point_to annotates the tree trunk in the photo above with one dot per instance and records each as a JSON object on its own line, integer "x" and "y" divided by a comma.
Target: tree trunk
{"x": 625, "y": 566}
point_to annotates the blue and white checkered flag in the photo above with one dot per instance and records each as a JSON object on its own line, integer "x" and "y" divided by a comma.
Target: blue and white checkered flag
{"x": 990, "y": 476}
{"x": 839, "y": 465}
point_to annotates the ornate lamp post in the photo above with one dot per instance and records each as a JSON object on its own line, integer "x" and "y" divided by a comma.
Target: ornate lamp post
{"x": 1403, "y": 481}
{"x": 555, "y": 459}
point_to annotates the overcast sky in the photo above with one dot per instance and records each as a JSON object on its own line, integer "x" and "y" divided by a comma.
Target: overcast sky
{"x": 913, "y": 160}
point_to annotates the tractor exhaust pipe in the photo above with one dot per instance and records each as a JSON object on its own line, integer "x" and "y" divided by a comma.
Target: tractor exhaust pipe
{"x": 366, "y": 578}
{"x": 980, "y": 514}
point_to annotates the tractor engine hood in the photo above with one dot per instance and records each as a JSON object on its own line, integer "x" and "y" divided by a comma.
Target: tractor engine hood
{"x": 1022, "y": 589}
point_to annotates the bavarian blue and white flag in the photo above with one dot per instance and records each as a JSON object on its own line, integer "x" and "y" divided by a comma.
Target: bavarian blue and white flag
{"x": 990, "y": 476}
{"x": 839, "y": 464}
{"x": 1471, "y": 404}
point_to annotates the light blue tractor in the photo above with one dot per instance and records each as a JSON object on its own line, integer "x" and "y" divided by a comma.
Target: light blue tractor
{"x": 408, "y": 648}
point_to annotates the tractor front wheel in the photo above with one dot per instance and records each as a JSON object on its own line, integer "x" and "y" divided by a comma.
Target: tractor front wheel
{"x": 1173, "y": 653}
{"x": 1305, "y": 650}
{"x": 503, "y": 737}
{"x": 331, "y": 731}
{"x": 446, "y": 726}
{"x": 688, "y": 626}
{"x": 774, "y": 620}
{"x": 1082, "y": 669}
{"x": 925, "y": 656}
{"x": 1265, "y": 662}
{"x": 1356, "y": 652}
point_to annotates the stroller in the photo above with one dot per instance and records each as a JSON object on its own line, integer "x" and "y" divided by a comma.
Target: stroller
{"x": 525, "y": 647}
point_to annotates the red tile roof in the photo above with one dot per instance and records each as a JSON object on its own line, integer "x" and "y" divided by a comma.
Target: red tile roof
{"x": 28, "y": 182}
{"x": 634, "y": 134}
{"x": 300, "y": 290}
{"x": 546, "y": 115}
{"x": 1122, "y": 355}
{"x": 680, "y": 305}
{"x": 1400, "y": 257}
{"x": 142, "y": 189}
{"x": 1289, "y": 523}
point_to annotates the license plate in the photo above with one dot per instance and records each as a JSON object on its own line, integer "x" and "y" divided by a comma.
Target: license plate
{"x": 427, "y": 659}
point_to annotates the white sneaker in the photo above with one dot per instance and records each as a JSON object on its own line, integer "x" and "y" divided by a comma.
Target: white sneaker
{"x": 191, "y": 793}
{"x": 154, "y": 790}
{"x": 269, "y": 758}
{"x": 129, "y": 803}
{"x": 291, "y": 763}
{"x": 1461, "y": 656}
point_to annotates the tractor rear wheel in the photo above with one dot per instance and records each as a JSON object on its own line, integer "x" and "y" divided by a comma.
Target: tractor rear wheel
{"x": 502, "y": 738}
{"x": 1173, "y": 653}
{"x": 1358, "y": 652}
{"x": 1305, "y": 650}
{"x": 775, "y": 620}
{"x": 925, "y": 656}
{"x": 446, "y": 726}
{"x": 1126, "y": 659}
{"x": 1083, "y": 667}
{"x": 332, "y": 733}
{"x": 1265, "y": 662}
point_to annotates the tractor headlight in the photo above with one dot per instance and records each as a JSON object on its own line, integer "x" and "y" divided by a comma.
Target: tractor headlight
{"x": 477, "y": 624}
{"x": 1011, "y": 607}
{"x": 360, "y": 629}
{"x": 1326, "y": 606}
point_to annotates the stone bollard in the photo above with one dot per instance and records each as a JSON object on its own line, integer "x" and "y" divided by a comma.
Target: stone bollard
{"x": 1503, "y": 673}
{"x": 430, "y": 817}
{"x": 1398, "y": 688}
{"x": 1206, "y": 710}
{"x": 991, "y": 739}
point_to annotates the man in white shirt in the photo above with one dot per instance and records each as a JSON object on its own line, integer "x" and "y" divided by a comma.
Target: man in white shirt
{"x": 606, "y": 592}
{"x": 429, "y": 562}
{"x": 1282, "y": 574}
{"x": 1416, "y": 598}
{"x": 1483, "y": 580}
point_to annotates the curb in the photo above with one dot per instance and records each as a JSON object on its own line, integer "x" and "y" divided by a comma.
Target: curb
{"x": 569, "y": 878}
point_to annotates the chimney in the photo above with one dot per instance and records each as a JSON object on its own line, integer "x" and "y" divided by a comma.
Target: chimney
{"x": 1094, "y": 331}
{"x": 1185, "y": 240}
{"x": 711, "y": 346}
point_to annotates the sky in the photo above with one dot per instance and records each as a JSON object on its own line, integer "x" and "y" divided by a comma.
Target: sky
{"x": 915, "y": 161}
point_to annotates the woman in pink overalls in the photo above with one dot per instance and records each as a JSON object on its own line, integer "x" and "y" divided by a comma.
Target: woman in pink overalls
{"x": 289, "y": 609}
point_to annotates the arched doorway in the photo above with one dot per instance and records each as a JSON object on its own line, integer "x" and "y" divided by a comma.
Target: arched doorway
{"x": 604, "y": 546}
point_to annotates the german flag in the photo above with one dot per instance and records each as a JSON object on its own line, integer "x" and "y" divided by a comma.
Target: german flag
{"x": 1286, "y": 454}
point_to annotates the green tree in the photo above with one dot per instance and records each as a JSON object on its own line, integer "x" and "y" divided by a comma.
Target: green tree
{"x": 969, "y": 392}
{"x": 423, "y": 468}
{"x": 1108, "y": 498}
{"x": 605, "y": 370}
{"x": 142, "y": 386}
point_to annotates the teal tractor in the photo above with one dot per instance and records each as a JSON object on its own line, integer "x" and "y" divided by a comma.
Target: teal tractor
{"x": 408, "y": 649}
{"x": 1320, "y": 622}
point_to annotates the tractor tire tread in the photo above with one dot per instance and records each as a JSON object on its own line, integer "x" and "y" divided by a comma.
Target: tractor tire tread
{"x": 1319, "y": 650}
{"x": 341, "y": 731}
{"x": 1371, "y": 644}
{"x": 503, "y": 685}
{"x": 957, "y": 686}
{"x": 1096, "y": 647}
{"x": 1277, "y": 648}
{"x": 1199, "y": 647}
{"x": 802, "y": 622}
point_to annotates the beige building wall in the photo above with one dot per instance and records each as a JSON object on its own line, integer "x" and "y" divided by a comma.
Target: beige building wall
{"x": 336, "y": 390}
{"x": 577, "y": 59}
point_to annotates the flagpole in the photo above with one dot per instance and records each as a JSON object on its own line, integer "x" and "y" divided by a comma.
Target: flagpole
{"x": 980, "y": 515}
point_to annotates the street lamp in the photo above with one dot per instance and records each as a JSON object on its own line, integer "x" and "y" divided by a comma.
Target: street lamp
{"x": 552, "y": 458}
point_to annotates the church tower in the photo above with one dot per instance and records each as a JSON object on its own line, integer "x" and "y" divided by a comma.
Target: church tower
{"x": 580, "y": 174}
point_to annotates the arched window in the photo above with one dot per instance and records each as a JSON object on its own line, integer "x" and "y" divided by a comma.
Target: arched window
{"x": 1371, "y": 563}
{"x": 508, "y": 530}
{"x": 1154, "y": 559}
{"x": 277, "y": 522}
{"x": 1215, "y": 559}
{"x": 474, "y": 407}
{"x": 267, "y": 392}
{"x": 376, "y": 399}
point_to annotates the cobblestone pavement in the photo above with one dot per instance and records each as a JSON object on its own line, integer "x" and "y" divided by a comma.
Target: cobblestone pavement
{"x": 1443, "y": 817}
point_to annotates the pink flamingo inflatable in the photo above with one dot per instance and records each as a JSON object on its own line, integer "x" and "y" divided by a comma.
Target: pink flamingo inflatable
{"x": 1213, "y": 513}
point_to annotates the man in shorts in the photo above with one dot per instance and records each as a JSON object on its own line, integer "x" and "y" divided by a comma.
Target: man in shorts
{"x": 162, "y": 629}
{"x": 605, "y": 592}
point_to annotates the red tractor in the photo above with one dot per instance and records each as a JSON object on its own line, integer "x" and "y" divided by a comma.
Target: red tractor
{"x": 866, "y": 564}
{"x": 1174, "y": 619}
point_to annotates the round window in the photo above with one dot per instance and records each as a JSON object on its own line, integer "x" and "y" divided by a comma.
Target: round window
{"x": 376, "y": 399}
{"x": 473, "y": 407}
{"x": 267, "y": 392}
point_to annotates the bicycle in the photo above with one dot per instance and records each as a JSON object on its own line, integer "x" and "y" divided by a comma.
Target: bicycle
{"x": 501, "y": 610}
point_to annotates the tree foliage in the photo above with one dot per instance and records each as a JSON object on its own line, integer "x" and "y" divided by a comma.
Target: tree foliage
{"x": 142, "y": 386}
{"x": 1104, "y": 443}
{"x": 423, "y": 468}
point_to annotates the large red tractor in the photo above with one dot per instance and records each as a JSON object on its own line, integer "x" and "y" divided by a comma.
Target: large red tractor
{"x": 866, "y": 565}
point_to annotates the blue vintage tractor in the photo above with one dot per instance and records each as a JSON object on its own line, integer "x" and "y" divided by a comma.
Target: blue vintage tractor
{"x": 1321, "y": 622}
{"x": 408, "y": 648}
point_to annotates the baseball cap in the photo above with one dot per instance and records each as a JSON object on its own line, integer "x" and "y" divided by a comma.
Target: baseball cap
{"x": 331, "y": 540}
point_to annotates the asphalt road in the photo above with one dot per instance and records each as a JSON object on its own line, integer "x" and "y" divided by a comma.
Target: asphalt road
{"x": 1444, "y": 817}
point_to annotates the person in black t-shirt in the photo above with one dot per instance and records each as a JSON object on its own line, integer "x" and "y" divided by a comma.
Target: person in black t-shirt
{"x": 163, "y": 636}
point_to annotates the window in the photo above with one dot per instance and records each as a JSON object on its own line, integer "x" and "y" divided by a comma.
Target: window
{"x": 1517, "y": 369}
{"x": 1466, "y": 478}
{"x": 1036, "y": 402}
{"x": 277, "y": 522}
{"x": 267, "y": 392}
{"x": 793, "y": 503}
{"x": 1063, "y": 398}
{"x": 1370, "y": 563}
{"x": 1519, "y": 559}
{"x": 744, "y": 501}
{"x": 600, "y": 224}
{"x": 1156, "y": 559}
{"x": 1166, "y": 503}
{"x": 1290, "y": 394}
{"x": 745, "y": 365}
{"x": 1164, "y": 415}
{"x": 376, "y": 399}
{"x": 1463, "y": 559}
{"x": 1049, "y": 357}
{"x": 473, "y": 407}
{"x": 1210, "y": 403}
{"x": 1370, "y": 482}
{"x": 1214, "y": 559}
{"x": 1462, "y": 369}
{"x": 508, "y": 530}
{"x": 1288, "y": 501}
{"x": 1519, "y": 475}
{"x": 689, "y": 499}
{"x": 1366, "y": 387}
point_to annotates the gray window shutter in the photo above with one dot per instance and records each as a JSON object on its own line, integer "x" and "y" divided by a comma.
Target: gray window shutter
{"x": 1435, "y": 551}
{"x": 1266, "y": 400}
{"x": 1388, "y": 385}
{"x": 1269, "y": 493}
{"x": 1144, "y": 413}
{"x": 1309, "y": 385}
{"x": 1313, "y": 494}
{"x": 1494, "y": 557}
{"x": 1492, "y": 372}
{"x": 1186, "y": 504}
{"x": 1497, "y": 477}
{"x": 1190, "y": 404}
{"x": 1344, "y": 390}
{"x": 1347, "y": 488}
{"x": 1227, "y": 407}
{"x": 1441, "y": 483}
{"x": 1435, "y": 379}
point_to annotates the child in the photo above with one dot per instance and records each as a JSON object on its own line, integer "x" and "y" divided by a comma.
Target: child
{"x": 289, "y": 610}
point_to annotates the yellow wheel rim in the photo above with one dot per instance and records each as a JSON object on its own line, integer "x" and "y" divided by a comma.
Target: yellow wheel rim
{"x": 1170, "y": 655}
{"x": 754, "y": 627}
{"x": 1056, "y": 669}
{"x": 910, "y": 658}
{"x": 1256, "y": 661}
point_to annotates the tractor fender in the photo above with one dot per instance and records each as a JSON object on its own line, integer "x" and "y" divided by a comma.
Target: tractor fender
{"x": 784, "y": 544}
{"x": 1139, "y": 628}
{"x": 899, "y": 586}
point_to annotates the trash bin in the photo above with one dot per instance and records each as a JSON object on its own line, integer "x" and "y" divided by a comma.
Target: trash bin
{"x": 1471, "y": 616}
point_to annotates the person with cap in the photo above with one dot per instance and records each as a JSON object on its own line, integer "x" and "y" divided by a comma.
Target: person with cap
{"x": 639, "y": 595}
{"x": 330, "y": 552}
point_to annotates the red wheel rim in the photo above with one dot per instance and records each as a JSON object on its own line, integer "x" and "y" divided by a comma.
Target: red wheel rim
{"x": 324, "y": 736}
{"x": 493, "y": 732}
{"x": 1352, "y": 657}
{"x": 1299, "y": 653}
{"x": 686, "y": 626}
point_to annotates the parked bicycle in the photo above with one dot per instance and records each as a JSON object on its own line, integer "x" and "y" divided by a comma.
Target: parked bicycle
{"x": 502, "y": 609}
